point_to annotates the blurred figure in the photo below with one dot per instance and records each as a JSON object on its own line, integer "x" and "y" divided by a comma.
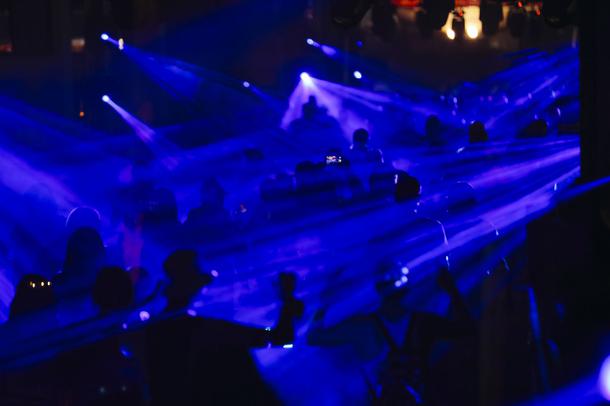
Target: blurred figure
{"x": 537, "y": 128}
{"x": 113, "y": 290}
{"x": 407, "y": 187}
{"x": 364, "y": 160}
{"x": 316, "y": 131}
{"x": 292, "y": 308}
{"x": 106, "y": 372}
{"x": 85, "y": 255}
{"x": 477, "y": 133}
{"x": 311, "y": 109}
{"x": 195, "y": 360}
{"x": 210, "y": 221}
{"x": 434, "y": 132}
{"x": 33, "y": 293}
{"x": 360, "y": 152}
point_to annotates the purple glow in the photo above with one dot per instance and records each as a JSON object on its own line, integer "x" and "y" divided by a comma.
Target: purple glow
{"x": 105, "y": 37}
{"x": 105, "y": 98}
{"x": 144, "y": 315}
{"x": 604, "y": 379}
{"x": 328, "y": 50}
{"x": 246, "y": 84}
{"x": 357, "y": 75}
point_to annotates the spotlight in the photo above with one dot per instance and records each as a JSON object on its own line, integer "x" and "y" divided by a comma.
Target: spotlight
{"x": 472, "y": 30}
{"x": 246, "y": 84}
{"x": 310, "y": 41}
{"x": 105, "y": 98}
{"x": 604, "y": 379}
{"x": 105, "y": 37}
{"x": 450, "y": 34}
{"x": 357, "y": 74}
{"x": 306, "y": 79}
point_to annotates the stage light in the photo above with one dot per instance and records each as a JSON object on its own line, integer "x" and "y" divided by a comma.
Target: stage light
{"x": 121, "y": 44}
{"x": 214, "y": 273}
{"x": 357, "y": 74}
{"x": 144, "y": 315}
{"x": 288, "y": 346}
{"x": 405, "y": 270}
{"x": 105, "y": 37}
{"x": 359, "y": 44}
{"x": 472, "y": 30}
{"x": 310, "y": 42}
{"x": 246, "y": 84}
{"x": 450, "y": 34}
{"x": 106, "y": 98}
{"x": 306, "y": 79}
{"x": 604, "y": 379}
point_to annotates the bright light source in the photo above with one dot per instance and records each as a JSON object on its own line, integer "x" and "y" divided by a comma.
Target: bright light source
{"x": 450, "y": 34}
{"x": 604, "y": 379}
{"x": 306, "y": 79}
{"x": 105, "y": 98}
{"x": 121, "y": 44}
{"x": 357, "y": 74}
{"x": 310, "y": 41}
{"x": 105, "y": 37}
{"x": 472, "y": 30}
{"x": 246, "y": 84}
{"x": 144, "y": 315}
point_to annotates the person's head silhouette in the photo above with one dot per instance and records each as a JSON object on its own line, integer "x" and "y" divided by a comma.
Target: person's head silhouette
{"x": 434, "y": 130}
{"x": 112, "y": 290}
{"x": 477, "y": 132}
{"x": 310, "y": 109}
{"x": 185, "y": 278}
{"x": 85, "y": 250}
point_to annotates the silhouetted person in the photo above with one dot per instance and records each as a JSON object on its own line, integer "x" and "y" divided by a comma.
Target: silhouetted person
{"x": 310, "y": 109}
{"x": 434, "y": 131}
{"x": 291, "y": 308}
{"x": 85, "y": 255}
{"x": 113, "y": 290}
{"x": 195, "y": 360}
{"x": 106, "y": 372}
{"x": 361, "y": 152}
{"x": 33, "y": 293}
{"x": 477, "y": 133}
{"x": 316, "y": 131}
{"x": 537, "y": 128}
{"x": 210, "y": 221}
{"x": 407, "y": 187}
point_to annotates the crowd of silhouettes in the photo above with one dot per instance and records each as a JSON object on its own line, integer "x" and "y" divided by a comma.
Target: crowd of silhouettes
{"x": 116, "y": 350}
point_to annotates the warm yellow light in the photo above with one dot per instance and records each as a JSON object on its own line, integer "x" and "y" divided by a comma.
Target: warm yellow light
{"x": 472, "y": 30}
{"x": 450, "y": 34}
{"x": 121, "y": 44}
